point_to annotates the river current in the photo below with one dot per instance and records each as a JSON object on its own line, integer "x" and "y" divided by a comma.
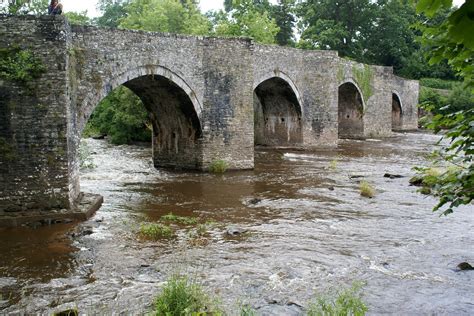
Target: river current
{"x": 303, "y": 229}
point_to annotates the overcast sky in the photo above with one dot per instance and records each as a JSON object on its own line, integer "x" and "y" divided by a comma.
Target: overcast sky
{"x": 206, "y": 5}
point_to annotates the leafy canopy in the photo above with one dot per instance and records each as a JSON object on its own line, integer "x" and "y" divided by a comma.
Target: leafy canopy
{"x": 246, "y": 18}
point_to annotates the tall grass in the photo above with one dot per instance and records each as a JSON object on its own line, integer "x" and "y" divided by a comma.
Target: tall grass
{"x": 155, "y": 231}
{"x": 182, "y": 296}
{"x": 346, "y": 302}
{"x": 170, "y": 217}
{"x": 218, "y": 166}
{"x": 366, "y": 189}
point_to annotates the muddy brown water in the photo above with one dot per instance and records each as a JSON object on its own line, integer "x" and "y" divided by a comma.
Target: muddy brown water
{"x": 307, "y": 231}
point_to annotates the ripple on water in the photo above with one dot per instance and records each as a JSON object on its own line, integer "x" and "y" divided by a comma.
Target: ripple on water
{"x": 307, "y": 229}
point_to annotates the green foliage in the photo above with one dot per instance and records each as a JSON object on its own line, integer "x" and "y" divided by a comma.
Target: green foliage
{"x": 179, "y": 219}
{"x": 218, "y": 166}
{"x": 336, "y": 25}
{"x": 366, "y": 189}
{"x": 20, "y": 65}
{"x": 247, "y": 19}
{"x": 454, "y": 186}
{"x": 452, "y": 40}
{"x": 283, "y": 14}
{"x": 431, "y": 97}
{"x": 347, "y": 302}
{"x": 181, "y": 296}
{"x": 437, "y": 83}
{"x": 155, "y": 231}
{"x": 112, "y": 12}
{"x": 373, "y": 32}
{"x": 36, "y": 7}
{"x": 246, "y": 310}
{"x": 122, "y": 116}
{"x": 165, "y": 16}
{"x": 80, "y": 18}
{"x": 364, "y": 77}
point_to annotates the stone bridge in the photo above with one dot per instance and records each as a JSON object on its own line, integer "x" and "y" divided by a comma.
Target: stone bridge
{"x": 208, "y": 98}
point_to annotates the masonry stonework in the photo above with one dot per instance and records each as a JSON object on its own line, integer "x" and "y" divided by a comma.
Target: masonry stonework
{"x": 208, "y": 98}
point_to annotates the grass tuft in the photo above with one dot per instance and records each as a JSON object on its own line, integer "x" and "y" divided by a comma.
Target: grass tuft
{"x": 247, "y": 310}
{"x": 179, "y": 219}
{"x": 333, "y": 164}
{"x": 155, "y": 231}
{"x": 347, "y": 302}
{"x": 366, "y": 189}
{"x": 218, "y": 166}
{"x": 181, "y": 296}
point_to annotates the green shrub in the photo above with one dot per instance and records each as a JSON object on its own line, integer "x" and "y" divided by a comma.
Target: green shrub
{"x": 155, "y": 231}
{"x": 218, "y": 166}
{"x": 432, "y": 97}
{"x": 438, "y": 83}
{"x": 181, "y": 296}
{"x": 347, "y": 302}
{"x": 366, "y": 189}
{"x": 179, "y": 219}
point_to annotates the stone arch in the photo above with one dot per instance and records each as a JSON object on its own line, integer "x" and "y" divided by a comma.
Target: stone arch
{"x": 397, "y": 111}
{"x": 175, "y": 113}
{"x": 277, "y": 111}
{"x": 351, "y": 109}
{"x": 105, "y": 85}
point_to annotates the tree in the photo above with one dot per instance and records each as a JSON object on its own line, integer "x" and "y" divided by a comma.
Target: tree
{"x": 247, "y": 19}
{"x": 121, "y": 116}
{"x": 452, "y": 41}
{"x": 336, "y": 25}
{"x": 112, "y": 12}
{"x": 165, "y": 16}
{"x": 80, "y": 18}
{"x": 36, "y": 7}
{"x": 283, "y": 13}
{"x": 391, "y": 40}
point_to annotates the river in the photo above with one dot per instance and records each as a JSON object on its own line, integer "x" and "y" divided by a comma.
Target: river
{"x": 306, "y": 230}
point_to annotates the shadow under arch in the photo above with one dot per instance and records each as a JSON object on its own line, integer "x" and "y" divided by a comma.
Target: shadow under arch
{"x": 173, "y": 109}
{"x": 277, "y": 112}
{"x": 351, "y": 109}
{"x": 397, "y": 112}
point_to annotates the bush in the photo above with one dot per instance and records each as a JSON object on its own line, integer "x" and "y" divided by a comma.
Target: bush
{"x": 347, "y": 302}
{"x": 431, "y": 96}
{"x": 181, "y": 296}
{"x": 155, "y": 231}
{"x": 218, "y": 166}
{"x": 438, "y": 83}
{"x": 366, "y": 189}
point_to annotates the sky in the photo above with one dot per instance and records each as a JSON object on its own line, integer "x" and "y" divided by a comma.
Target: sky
{"x": 90, "y": 6}
{"x": 206, "y": 5}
